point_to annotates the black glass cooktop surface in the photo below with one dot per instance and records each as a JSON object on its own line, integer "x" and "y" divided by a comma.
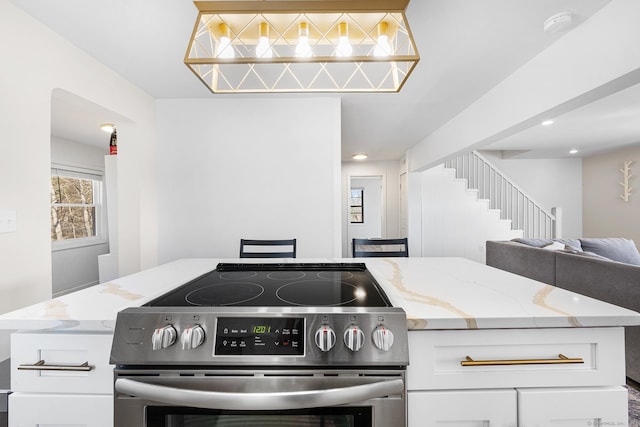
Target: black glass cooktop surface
{"x": 274, "y": 285}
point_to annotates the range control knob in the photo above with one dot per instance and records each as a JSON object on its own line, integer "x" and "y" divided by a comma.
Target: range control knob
{"x": 192, "y": 337}
{"x": 382, "y": 338}
{"x": 353, "y": 338}
{"x": 163, "y": 337}
{"x": 325, "y": 338}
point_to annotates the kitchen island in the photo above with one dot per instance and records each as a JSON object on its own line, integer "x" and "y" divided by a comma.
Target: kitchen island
{"x": 486, "y": 346}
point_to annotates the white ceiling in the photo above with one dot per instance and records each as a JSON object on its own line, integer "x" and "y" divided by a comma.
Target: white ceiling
{"x": 466, "y": 48}
{"x": 609, "y": 123}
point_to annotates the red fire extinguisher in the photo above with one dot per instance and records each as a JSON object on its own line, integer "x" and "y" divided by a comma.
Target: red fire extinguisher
{"x": 113, "y": 143}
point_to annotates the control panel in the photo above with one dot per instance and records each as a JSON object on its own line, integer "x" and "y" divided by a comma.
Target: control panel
{"x": 259, "y": 336}
{"x": 239, "y": 337}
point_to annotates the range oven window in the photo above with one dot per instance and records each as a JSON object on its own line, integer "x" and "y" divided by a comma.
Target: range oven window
{"x": 168, "y": 416}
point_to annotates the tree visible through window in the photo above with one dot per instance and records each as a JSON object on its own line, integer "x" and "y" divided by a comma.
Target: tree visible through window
{"x": 74, "y": 202}
{"x": 357, "y": 205}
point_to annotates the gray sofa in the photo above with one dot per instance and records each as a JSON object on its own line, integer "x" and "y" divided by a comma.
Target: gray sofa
{"x": 581, "y": 271}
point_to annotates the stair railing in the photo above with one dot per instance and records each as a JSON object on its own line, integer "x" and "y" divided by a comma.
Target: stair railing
{"x": 501, "y": 192}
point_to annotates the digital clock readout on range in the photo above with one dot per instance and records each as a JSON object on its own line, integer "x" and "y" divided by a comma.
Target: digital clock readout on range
{"x": 251, "y": 336}
{"x": 261, "y": 329}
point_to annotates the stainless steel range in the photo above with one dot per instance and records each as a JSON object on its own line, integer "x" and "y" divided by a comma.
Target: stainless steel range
{"x": 264, "y": 345}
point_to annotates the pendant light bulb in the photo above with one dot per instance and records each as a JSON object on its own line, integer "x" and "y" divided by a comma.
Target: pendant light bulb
{"x": 344, "y": 48}
{"x": 224, "y": 48}
{"x": 383, "y": 47}
{"x": 303, "y": 48}
{"x": 263, "y": 49}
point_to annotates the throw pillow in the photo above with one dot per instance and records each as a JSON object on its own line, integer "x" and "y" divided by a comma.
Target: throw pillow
{"x": 572, "y": 249}
{"x": 574, "y": 243}
{"x": 555, "y": 246}
{"x": 617, "y": 249}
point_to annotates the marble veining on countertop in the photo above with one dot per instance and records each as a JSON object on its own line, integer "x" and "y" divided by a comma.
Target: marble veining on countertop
{"x": 96, "y": 307}
{"x": 436, "y": 293}
{"x": 456, "y": 293}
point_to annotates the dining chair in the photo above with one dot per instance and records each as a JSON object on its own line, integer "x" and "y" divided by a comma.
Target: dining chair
{"x": 380, "y": 248}
{"x": 285, "y": 248}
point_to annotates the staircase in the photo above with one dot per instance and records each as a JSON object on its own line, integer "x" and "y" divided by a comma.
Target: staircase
{"x": 505, "y": 197}
{"x": 455, "y": 222}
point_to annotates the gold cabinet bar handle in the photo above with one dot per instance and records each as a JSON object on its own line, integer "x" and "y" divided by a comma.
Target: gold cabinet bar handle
{"x": 561, "y": 359}
{"x": 40, "y": 366}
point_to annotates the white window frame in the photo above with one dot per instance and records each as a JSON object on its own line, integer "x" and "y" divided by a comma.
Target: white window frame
{"x": 361, "y": 205}
{"x": 97, "y": 176}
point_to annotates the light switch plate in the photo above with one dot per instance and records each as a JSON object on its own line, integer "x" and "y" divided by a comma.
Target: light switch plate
{"x": 8, "y": 222}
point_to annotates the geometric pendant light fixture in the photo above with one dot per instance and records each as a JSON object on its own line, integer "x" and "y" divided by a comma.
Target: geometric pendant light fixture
{"x": 302, "y": 46}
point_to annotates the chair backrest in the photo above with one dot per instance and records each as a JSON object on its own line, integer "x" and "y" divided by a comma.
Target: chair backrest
{"x": 380, "y": 248}
{"x": 272, "y": 248}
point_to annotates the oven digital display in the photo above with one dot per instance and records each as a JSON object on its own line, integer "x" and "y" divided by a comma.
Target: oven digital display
{"x": 257, "y": 336}
{"x": 261, "y": 329}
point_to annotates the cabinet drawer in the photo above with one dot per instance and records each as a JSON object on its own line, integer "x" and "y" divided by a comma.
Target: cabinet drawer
{"x": 573, "y": 407}
{"x": 61, "y": 349}
{"x": 56, "y": 410}
{"x": 436, "y": 358}
{"x": 456, "y": 408}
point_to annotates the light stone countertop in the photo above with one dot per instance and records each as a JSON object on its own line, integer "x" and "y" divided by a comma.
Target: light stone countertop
{"x": 436, "y": 293}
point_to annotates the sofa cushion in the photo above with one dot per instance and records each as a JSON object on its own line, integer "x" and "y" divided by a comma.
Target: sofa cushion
{"x": 541, "y": 243}
{"x": 616, "y": 249}
{"x": 590, "y": 255}
{"x": 536, "y": 243}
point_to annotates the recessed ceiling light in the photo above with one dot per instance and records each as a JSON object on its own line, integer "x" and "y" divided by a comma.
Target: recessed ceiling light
{"x": 573, "y": 151}
{"x": 547, "y": 123}
{"x": 108, "y": 127}
{"x": 360, "y": 156}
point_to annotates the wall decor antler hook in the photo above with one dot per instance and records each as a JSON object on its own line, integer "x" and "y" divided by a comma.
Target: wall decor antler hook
{"x": 626, "y": 177}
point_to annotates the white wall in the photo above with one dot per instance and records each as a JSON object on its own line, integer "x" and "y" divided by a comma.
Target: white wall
{"x": 550, "y": 182}
{"x": 35, "y": 62}
{"x": 72, "y": 153}
{"x": 248, "y": 168}
{"x": 605, "y": 213}
{"x": 390, "y": 170}
{"x": 76, "y": 268}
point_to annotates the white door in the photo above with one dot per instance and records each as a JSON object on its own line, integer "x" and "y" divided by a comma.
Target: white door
{"x": 404, "y": 206}
{"x": 370, "y": 223}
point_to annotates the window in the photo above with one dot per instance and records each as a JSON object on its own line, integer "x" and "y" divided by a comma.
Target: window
{"x": 356, "y": 212}
{"x": 76, "y": 208}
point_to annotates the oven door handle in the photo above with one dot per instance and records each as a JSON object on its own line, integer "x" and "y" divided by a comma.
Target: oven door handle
{"x": 259, "y": 401}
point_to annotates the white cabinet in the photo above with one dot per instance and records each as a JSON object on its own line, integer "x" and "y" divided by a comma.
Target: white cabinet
{"x": 436, "y": 358}
{"x": 61, "y": 379}
{"x": 66, "y": 349}
{"x": 535, "y": 407}
{"x": 468, "y": 408}
{"x": 517, "y": 377}
{"x": 572, "y": 407}
{"x": 60, "y": 410}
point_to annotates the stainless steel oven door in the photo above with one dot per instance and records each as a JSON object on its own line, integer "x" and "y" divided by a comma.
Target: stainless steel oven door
{"x": 316, "y": 398}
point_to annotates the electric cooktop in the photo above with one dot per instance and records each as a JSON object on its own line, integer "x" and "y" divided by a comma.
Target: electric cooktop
{"x": 277, "y": 285}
